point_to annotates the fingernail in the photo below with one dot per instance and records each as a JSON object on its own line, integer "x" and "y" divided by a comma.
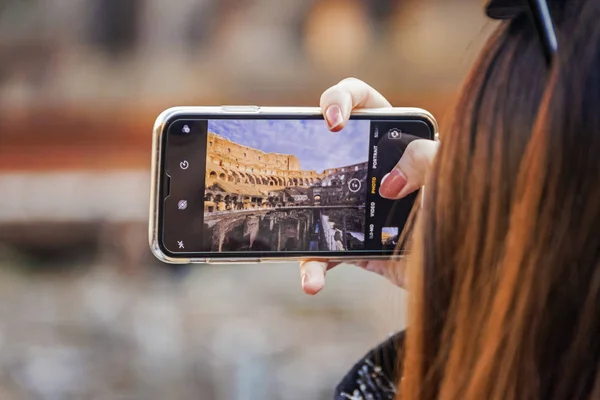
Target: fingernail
{"x": 392, "y": 184}
{"x": 383, "y": 179}
{"x": 304, "y": 279}
{"x": 334, "y": 116}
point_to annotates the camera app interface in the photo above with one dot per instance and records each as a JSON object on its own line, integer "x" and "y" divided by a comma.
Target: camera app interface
{"x": 287, "y": 185}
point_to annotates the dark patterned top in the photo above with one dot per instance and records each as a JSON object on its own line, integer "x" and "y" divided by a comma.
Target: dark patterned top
{"x": 374, "y": 376}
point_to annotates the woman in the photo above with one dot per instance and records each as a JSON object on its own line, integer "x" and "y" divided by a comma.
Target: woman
{"x": 504, "y": 279}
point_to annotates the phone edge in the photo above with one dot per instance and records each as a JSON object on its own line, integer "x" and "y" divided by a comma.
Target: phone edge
{"x": 156, "y": 159}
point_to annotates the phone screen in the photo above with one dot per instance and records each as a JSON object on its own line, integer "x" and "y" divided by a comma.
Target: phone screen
{"x": 269, "y": 187}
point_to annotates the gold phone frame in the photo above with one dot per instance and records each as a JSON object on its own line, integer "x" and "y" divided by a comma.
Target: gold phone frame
{"x": 241, "y": 111}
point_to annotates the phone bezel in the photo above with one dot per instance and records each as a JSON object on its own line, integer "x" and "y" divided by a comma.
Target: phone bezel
{"x": 170, "y": 115}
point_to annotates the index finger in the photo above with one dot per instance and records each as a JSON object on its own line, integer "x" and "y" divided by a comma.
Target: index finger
{"x": 338, "y": 101}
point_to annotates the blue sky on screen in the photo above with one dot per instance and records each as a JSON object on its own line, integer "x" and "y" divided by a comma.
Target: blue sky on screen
{"x": 315, "y": 146}
{"x": 390, "y": 231}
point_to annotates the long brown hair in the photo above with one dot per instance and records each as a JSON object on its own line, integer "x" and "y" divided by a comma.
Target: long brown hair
{"x": 505, "y": 285}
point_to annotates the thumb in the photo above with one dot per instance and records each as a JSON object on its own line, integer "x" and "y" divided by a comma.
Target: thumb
{"x": 410, "y": 172}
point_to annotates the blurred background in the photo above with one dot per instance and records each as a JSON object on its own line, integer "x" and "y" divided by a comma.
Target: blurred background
{"x": 85, "y": 310}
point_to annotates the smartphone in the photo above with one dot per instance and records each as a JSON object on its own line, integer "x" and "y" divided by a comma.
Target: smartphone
{"x": 245, "y": 184}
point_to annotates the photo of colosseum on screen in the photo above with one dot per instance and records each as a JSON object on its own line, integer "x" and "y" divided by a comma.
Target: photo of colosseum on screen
{"x": 389, "y": 237}
{"x": 285, "y": 185}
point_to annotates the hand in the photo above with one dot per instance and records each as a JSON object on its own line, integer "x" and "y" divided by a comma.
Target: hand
{"x": 337, "y": 103}
{"x": 312, "y": 273}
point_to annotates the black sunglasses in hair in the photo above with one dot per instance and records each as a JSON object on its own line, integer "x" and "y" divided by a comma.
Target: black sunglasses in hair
{"x": 540, "y": 15}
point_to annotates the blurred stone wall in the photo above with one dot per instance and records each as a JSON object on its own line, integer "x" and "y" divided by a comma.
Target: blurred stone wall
{"x": 85, "y": 310}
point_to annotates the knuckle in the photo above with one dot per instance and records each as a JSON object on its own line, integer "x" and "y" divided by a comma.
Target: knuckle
{"x": 417, "y": 155}
{"x": 326, "y": 93}
{"x": 323, "y": 98}
{"x": 330, "y": 94}
{"x": 350, "y": 81}
{"x": 350, "y": 85}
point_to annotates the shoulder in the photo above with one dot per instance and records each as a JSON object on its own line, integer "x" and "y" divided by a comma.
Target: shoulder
{"x": 374, "y": 376}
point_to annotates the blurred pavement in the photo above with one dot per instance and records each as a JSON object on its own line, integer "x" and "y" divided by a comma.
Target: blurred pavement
{"x": 222, "y": 332}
